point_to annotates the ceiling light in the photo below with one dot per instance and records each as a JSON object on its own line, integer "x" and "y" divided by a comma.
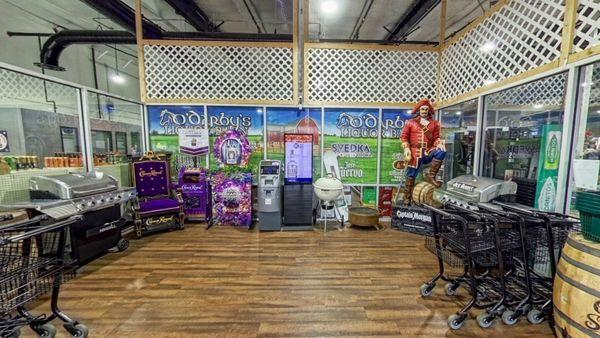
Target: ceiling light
{"x": 458, "y": 113}
{"x": 585, "y": 84}
{"x": 329, "y": 6}
{"x": 488, "y": 82}
{"x": 538, "y": 106}
{"x": 117, "y": 78}
{"x": 487, "y": 47}
{"x": 598, "y": 111}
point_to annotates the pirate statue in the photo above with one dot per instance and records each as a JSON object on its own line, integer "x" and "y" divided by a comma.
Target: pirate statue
{"x": 422, "y": 145}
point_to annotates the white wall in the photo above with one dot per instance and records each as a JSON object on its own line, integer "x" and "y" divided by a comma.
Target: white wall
{"x": 77, "y": 59}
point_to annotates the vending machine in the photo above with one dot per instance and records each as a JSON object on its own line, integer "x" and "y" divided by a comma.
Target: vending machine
{"x": 298, "y": 193}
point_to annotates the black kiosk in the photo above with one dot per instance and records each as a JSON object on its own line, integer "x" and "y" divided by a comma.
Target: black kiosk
{"x": 297, "y": 189}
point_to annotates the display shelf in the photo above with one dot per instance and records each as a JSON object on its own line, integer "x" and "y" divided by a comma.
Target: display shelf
{"x": 120, "y": 171}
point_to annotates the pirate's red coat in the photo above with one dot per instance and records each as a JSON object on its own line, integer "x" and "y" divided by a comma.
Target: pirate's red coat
{"x": 414, "y": 135}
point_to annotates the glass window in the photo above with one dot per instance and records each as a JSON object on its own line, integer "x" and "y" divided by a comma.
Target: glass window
{"x": 101, "y": 142}
{"x": 70, "y": 139}
{"x": 121, "y": 142}
{"x": 38, "y": 132}
{"x": 136, "y": 143}
{"x": 584, "y": 172}
{"x": 523, "y": 129}
{"x": 113, "y": 121}
{"x": 459, "y": 130}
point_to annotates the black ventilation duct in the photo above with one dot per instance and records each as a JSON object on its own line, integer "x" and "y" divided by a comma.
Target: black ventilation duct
{"x": 55, "y": 45}
{"x": 124, "y": 16}
{"x": 193, "y": 14}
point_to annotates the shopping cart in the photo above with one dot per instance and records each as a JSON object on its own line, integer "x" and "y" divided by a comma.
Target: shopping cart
{"x": 33, "y": 262}
{"x": 520, "y": 284}
{"x": 478, "y": 243}
{"x": 544, "y": 244}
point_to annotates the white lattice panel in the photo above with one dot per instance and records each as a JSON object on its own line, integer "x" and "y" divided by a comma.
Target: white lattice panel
{"x": 548, "y": 92}
{"x": 522, "y": 35}
{"x": 587, "y": 29}
{"x": 386, "y": 76}
{"x": 24, "y": 91}
{"x": 218, "y": 73}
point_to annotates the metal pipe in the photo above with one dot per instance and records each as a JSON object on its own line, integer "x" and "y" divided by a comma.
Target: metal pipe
{"x": 227, "y": 36}
{"x": 382, "y": 42}
{"x": 124, "y": 15}
{"x": 417, "y": 12}
{"x": 11, "y": 34}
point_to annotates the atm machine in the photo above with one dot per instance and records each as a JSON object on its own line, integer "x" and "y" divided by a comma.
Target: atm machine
{"x": 269, "y": 195}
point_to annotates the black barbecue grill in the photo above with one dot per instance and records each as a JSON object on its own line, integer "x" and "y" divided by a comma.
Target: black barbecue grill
{"x": 95, "y": 196}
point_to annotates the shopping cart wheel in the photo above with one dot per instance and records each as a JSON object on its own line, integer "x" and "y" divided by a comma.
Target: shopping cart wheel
{"x": 509, "y": 318}
{"x": 456, "y": 321}
{"x": 427, "y": 289}
{"x": 451, "y": 289}
{"x": 535, "y": 316}
{"x": 485, "y": 320}
{"x": 78, "y": 330}
{"x": 123, "y": 244}
{"x": 46, "y": 331}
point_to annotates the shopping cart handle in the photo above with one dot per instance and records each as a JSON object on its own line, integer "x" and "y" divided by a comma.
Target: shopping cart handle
{"x": 514, "y": 207}
{"x": 42, "y": 229}
{"x": 442, "y": 212}
{"x": 34, "y": 220}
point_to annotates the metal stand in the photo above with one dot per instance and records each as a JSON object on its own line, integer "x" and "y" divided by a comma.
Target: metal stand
{"x": 337, "y": 215}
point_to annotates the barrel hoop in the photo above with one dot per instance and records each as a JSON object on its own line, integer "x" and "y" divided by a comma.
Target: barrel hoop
{"x": 580, "y": 265}
{"x": 583, "y": 247}
{"x": 578, "y": 285}
{"x": 575, "y": 324}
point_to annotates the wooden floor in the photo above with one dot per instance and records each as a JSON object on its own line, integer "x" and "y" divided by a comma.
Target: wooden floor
{"x": 235, "y": 283}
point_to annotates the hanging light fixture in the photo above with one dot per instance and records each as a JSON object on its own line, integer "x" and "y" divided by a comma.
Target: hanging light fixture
{"x": 117, "y": 77}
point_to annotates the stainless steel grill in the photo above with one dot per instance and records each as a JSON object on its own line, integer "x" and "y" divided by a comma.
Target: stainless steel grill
{"x": 468, "y": 190}
{"x": 66, "y": 195}
{"x": 95, "y": 196}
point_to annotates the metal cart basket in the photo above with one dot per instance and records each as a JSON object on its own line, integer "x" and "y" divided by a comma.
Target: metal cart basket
{"x": 33, "y": 262}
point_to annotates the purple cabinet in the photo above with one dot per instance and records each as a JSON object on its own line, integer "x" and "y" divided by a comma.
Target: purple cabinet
{"x": 195, "y": 190}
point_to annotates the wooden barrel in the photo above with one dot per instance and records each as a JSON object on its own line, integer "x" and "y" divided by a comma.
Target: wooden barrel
{"x": 423, "y": 193}
{"x": 577, "y": 289}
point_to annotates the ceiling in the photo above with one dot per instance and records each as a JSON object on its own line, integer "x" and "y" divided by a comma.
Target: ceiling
{"x": 341, "y": 23}
{"x": 267, "y": 16}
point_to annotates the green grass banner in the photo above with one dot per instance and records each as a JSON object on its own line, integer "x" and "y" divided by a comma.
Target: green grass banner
{"x": 392, "y": 166}
{"x": 352, "y": 135}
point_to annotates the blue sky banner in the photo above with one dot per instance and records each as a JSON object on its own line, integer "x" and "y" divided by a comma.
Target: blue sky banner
{"x": 165, "y": 121}
{"x": 281, "y": 120}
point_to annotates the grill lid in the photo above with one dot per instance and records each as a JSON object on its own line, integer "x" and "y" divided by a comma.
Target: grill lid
{"x": 474, "y": 189}
{"x": 69, "y": 186}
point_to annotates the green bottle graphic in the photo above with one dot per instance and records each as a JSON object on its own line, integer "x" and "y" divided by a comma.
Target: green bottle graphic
{"x": 551, "y": 160}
